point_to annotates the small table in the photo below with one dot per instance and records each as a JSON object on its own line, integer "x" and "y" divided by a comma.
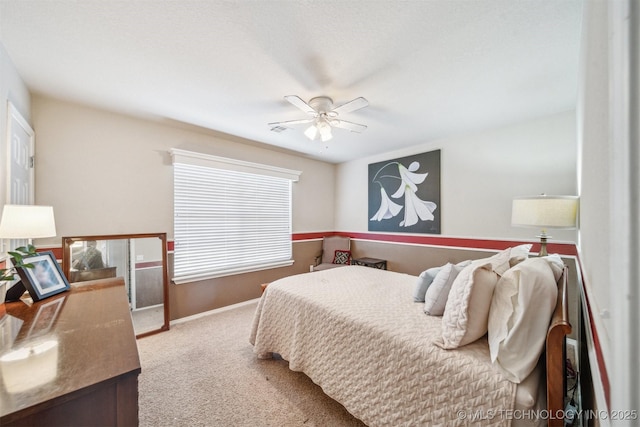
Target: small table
{"x": 370, "y": 262}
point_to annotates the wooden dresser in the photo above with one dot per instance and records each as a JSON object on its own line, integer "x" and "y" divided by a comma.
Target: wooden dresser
{"x": 70, "y": 360}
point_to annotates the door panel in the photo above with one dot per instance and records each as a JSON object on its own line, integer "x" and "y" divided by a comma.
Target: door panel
{"x": 20, "y": 168}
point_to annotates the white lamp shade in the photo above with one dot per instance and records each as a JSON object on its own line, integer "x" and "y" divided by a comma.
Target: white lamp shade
{"x": 545, "y": 211}
{"x": 27, "y": 222}
{"x": 325, "y": 131}
{"x": 311, "y": 132}
{"x": 320, "y": 127}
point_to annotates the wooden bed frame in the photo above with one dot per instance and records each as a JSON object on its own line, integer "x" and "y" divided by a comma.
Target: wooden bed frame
{"x": 556, "y": 354}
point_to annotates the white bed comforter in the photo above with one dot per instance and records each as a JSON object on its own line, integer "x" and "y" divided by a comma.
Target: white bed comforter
{"x": 356, "y": 332}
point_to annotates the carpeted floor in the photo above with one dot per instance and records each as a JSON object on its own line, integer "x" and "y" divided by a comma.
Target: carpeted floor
{"x": 204, "y": 373}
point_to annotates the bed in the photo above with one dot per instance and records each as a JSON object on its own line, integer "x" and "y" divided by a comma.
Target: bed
{"x": 357, "y": 333}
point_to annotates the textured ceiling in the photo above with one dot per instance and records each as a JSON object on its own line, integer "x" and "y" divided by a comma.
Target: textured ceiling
{"x": 429, "y": 69}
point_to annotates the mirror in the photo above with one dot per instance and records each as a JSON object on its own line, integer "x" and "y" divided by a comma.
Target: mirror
{"x": 141, "y": 259}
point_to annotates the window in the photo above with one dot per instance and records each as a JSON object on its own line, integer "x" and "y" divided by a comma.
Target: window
{"x": 230, "y": 216}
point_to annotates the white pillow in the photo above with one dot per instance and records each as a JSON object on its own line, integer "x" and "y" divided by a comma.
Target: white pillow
{"x": 556, "y": 264}
{"x": 521, "y": 309}
{"x": 507, "y": 258}
{"x": 424, "y": 281}
{"x": 467, "y": 311}
{"x": 521, "y": 251}
{"x": 436, "y": 296}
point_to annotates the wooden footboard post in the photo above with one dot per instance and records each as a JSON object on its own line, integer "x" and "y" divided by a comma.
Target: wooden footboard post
{"x": 556, "y": 354}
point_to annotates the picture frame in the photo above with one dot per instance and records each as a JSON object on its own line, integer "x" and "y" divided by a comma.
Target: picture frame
{"x": 45, "y": 278}
{"x": 404, "y": 194}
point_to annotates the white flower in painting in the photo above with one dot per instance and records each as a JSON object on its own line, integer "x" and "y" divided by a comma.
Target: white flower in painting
{"x": 414, "y": 207}
{"x": 388, "y": 208}
{"x": 410, "y": 179}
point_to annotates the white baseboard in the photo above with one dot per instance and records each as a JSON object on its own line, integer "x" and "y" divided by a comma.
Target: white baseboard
{"x": 214, "y": 311}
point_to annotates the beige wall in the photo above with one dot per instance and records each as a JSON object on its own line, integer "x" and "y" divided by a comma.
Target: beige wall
{"x": 197, "y": 297}
{"x": 106, "y": 173}
{"x": 480, "y": 175}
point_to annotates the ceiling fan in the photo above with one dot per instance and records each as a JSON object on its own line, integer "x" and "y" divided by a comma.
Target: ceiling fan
{"x": 324, "y": 116}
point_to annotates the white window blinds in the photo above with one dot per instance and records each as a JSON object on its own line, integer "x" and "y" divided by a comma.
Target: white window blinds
{"x": 230, "y": 217}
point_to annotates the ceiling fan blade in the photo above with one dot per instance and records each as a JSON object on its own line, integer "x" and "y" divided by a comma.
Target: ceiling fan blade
{"x": 295, "y": 100}
{"x": 350, "y": 106}
{"x": 343, "y": 124}
{"x": 291, "y": 122}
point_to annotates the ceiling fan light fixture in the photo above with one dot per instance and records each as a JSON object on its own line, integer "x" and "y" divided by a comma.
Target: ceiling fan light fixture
{"x": 325, "y": 131}
{"x": 324, "y": 116}
{"x": 311, "y": 132}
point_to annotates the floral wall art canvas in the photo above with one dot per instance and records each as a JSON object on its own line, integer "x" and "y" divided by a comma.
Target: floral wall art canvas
{"x": 404, "y": 194}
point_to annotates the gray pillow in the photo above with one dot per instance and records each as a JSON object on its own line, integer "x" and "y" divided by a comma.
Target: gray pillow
{"x": 438, "y": 293}
{"x": 424, "y": 280}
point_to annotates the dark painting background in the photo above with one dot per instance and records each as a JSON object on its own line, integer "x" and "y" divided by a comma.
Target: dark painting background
{"x": 429, "y": 190}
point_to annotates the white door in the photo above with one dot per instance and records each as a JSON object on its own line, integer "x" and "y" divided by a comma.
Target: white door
{"x": 20, "y": 168}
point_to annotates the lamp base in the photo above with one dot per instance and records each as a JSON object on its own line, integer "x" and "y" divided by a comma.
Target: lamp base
{"x": 15, "y": 292}
{"x": 543, "y": 245}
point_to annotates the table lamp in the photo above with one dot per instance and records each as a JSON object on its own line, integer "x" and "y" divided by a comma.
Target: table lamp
{"x": 25, "y": 222}
{"x": 545, "y": 212}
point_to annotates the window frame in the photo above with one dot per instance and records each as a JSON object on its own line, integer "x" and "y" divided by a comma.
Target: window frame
{"x": 223, "y": 166}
